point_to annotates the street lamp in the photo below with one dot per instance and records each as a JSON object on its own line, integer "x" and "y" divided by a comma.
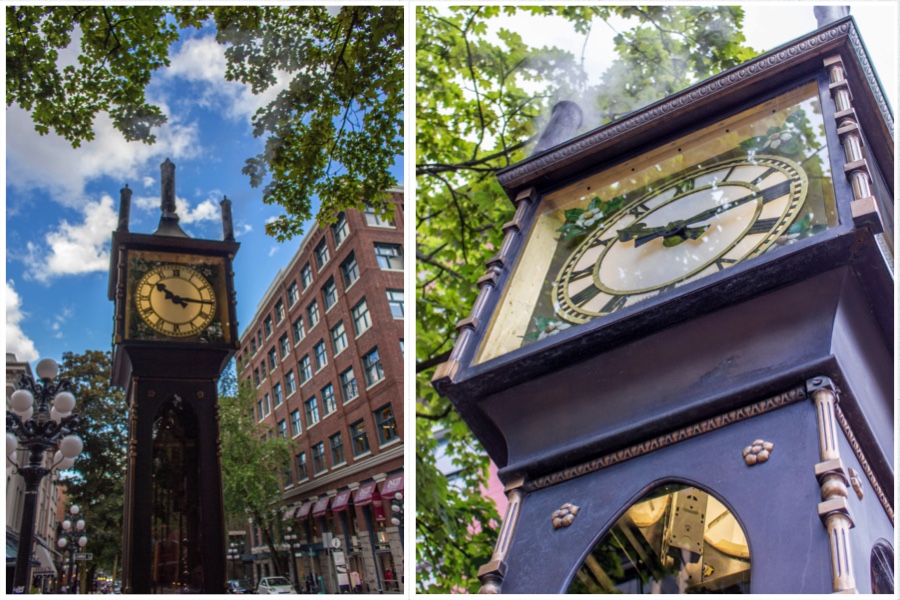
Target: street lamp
{"x": 397, "y": 514}
{"x": 291, "y": 538}
{"x": 233, "y": 555}
{"x": 37, "y": 427}
{"x": 71, "y": 536}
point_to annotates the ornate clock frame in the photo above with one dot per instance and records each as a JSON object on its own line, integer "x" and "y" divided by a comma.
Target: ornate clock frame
{"x": 175, "y": 378}
{"x": 792, "y": 349}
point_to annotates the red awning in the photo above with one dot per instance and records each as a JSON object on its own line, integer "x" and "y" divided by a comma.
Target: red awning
{"x": 392, "y": 485}
{"x": 303, "y": 513}
{"x": 290, "y": 513}
{"x": 365, "y": 494}
{"x": 340, "y": 501}
{"x": 321, "y": 506}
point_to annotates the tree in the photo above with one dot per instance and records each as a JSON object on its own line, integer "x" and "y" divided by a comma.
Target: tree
{"x": 253, "y": 461}
{"x": 477, "y": 105}
{"x": 334, "y": 132}
{"x": 97, "y": 480}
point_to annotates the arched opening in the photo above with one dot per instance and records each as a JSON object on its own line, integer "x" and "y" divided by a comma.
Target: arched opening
{"x": 176, "y": 506}
{"x": 674, "y": 540}
{"x": 881, "y": 562}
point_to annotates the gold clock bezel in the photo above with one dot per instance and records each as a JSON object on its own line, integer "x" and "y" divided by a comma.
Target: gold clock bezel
{"x": 161, "y": 308}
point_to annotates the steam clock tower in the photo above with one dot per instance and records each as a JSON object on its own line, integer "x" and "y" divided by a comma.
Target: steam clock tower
{"x": 681, "y": 356}
{"x": 175, "y": 330}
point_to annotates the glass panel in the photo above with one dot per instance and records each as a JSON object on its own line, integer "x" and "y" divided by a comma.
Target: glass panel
{"x": 750, "y": 184}
{"x": 676, "y": 540}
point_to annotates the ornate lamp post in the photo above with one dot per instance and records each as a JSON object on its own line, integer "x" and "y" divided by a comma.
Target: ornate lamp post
{"x": 33, "y": 425}
{"x": 71, "y": 536}
{"x": 233, "y": 555}
{"x": 291, "y": 538}
{"x": 397, "y": 513}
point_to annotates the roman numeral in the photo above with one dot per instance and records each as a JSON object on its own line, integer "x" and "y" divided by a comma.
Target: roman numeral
{"x": 776, "y": 191}
{"x": 176, "y": 328}
{"x": 176, "y": 272}
{"x": 615, "y": 303}
{"x": 599, "y": 242}
{"x": 764, "y": 175}
{"x": 576, "y": 275}
{"x": 639, "y": 210}
{"x": 585, "y": 295}
{"x": 723, "y": 263}
{"x": 727, "y": 175}
{"x": 762, "y": 226}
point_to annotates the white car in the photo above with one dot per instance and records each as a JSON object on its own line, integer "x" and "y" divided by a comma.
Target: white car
{"x": 274, "y": 585}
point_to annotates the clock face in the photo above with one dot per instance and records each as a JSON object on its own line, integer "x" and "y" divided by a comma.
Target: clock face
{"x": 679, "y": 213}
{"x": 175, "y": 300}
{"x": 701, "y": 222}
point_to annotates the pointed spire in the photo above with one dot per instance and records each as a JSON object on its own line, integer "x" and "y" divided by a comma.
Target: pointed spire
{"x": 168, "y": 222}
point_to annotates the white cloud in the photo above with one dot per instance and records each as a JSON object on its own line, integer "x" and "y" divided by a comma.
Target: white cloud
{"x": 50, "y": 163}
{"x": 74, "y": 249}
{"x": 207, "y": 210}
{"x": 273, "y": 250}
{"x": 202, "y": 61}
{"x": 149, "y": 182}
{"x": 16, "y": 341}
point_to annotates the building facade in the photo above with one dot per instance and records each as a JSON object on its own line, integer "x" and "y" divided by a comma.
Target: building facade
{"x": 325, "y": 355}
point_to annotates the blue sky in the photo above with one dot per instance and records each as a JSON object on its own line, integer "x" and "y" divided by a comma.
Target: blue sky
{"x": 62, "y": 203}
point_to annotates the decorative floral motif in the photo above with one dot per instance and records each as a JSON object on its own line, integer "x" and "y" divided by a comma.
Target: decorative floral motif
{"x": 580, "y": 221}
{"x": 856, "y": 482}
{"x": 778, "y": 138}
{"x": 564, "y": 515}
{"x": 757, "y": 452}
{"x": 545, "y": 327}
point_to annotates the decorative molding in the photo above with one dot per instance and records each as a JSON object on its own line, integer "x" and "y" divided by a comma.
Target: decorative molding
{"x": 869, "y": 73}
{"x": 564, "y": 515}
{"x": 492, "y": 574}
{"x": 760, "y": 67}
{"x": 863, "y": 463}
{"x": 757, "y": 453}
{"x": 662, "y": 441}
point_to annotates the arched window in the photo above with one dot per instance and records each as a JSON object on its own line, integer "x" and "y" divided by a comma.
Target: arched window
{"x": 882, "y": 567}
{"x": 676, "y": 539}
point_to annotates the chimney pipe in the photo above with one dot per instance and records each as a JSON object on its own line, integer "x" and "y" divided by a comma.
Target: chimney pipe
{"x": 124, "y": 208}
{"x": 565, "y": 119}
{"x": 829, "y": 14}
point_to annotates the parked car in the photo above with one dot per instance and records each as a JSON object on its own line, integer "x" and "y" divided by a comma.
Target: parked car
{"x": 236, "y": 587}
{"x": 274, "y": 585}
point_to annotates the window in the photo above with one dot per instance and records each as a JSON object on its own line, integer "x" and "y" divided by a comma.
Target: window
{"x": 337, "y": 449}
{"x": 296, "y": 429}
{"x": 321, "y": 357}
{"x": 260, "y": 410}
{"x": 340, "y": 230}
{"x": 402, "y": 351}
{"x": 306, "y": 276}
{"x": 276, "y": 391}
{"x": 395, "y": 301}
{"x": 321, "y": 253}
{"x": 268, "y": 404}
{"x": 273, "y": 359}
{"x": 299, "y": 332}
{"x": 329, "y": 292}
{"x": 290, "y": 384}
{"x": 389, "y": 256}
{"x": 256, "y": 377}
{"x": 349, "y": 270}
{"x": 262, "y": 369}
{"x": 318, "y": 454}
{"x": 312, "y": 412}
{"x": 302, "y": 471}
{"x": 372, "y": 367}
{"x": 284, "y": 345}
{"x": 267, "y": 324}
{"x": 288, "y": 476}
{"x": 348, "y": 385}
{"x": 385, "y": 425}
{"x": 328, "y": 399}
{"x": 293, "y": 293}
{"x": 312, "y": 313}
{"x": 374, "y": 220}
{"x": 361, "y": 320}
{"x": 253, "y": 347}
{"x": 279, "y": 311}
{"x": 339, "y": 338}
{"x": 282, "y": 428}
{"x": 259, "y": 339}
{"x": 359, "y": 438}
{"x": 305, "y": 370}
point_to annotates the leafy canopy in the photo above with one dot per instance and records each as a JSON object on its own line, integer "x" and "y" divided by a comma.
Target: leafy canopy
{"x": 334, "y": 132}
{"x": 480, "y": 91}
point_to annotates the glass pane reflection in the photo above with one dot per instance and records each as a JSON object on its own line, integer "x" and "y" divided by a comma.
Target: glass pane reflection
{"x": 676, "y": 540}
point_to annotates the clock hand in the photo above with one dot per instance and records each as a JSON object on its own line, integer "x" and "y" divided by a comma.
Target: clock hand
{"x": 197, "y": 301}
{"x": 170, "y": 296}
{"x": 681, "y": 227}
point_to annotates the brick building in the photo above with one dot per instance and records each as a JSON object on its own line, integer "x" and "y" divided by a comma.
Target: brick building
{"x": 325, "y": 353}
